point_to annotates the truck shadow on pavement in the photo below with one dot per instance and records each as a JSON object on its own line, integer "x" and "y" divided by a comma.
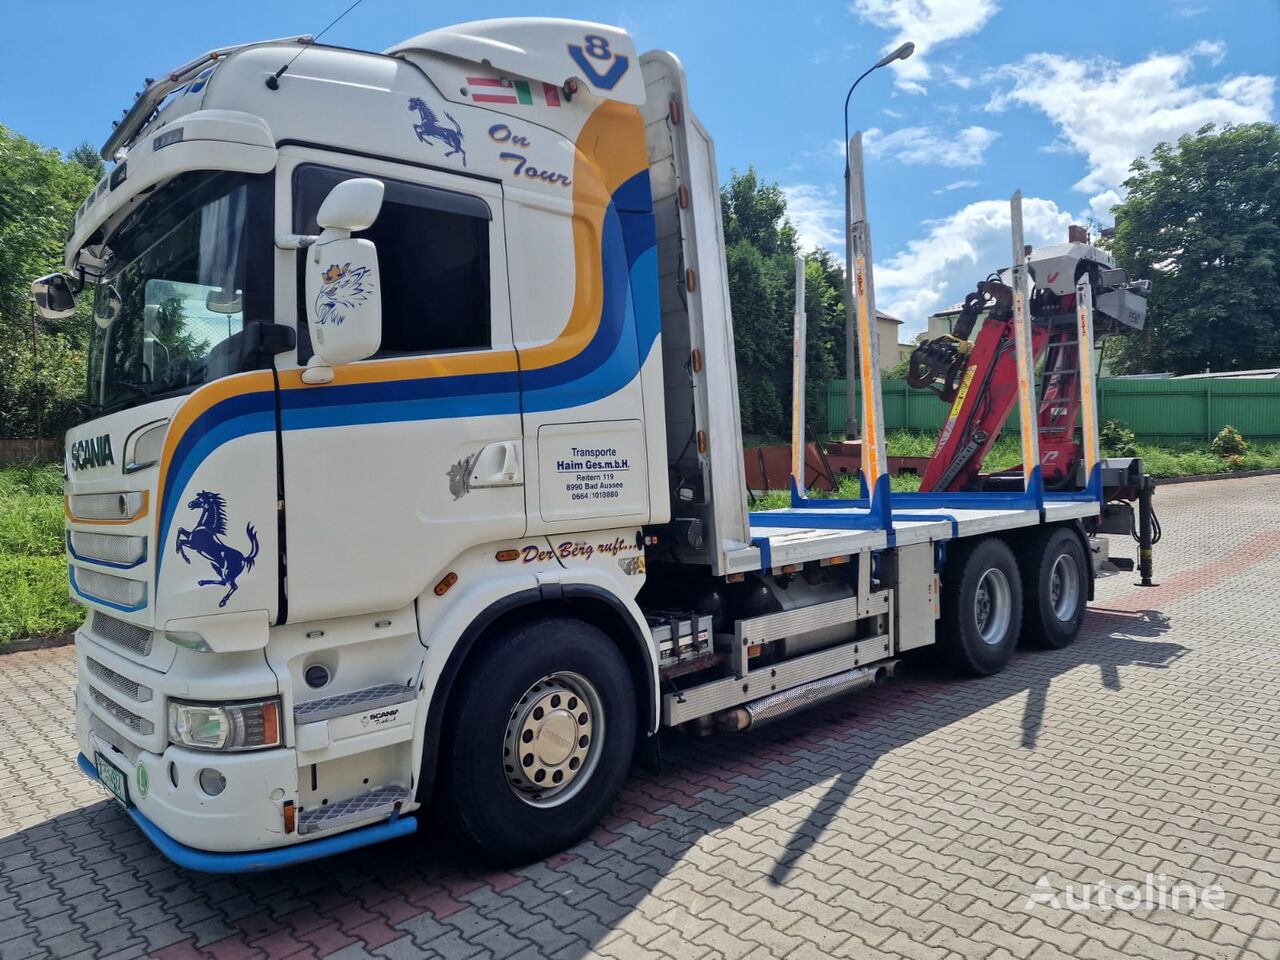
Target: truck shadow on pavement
{"x": 565, "y": 905}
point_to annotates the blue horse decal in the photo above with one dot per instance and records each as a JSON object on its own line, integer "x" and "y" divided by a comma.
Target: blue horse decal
{"x": 432, "y": 129}
{"x": 205, "y": 538}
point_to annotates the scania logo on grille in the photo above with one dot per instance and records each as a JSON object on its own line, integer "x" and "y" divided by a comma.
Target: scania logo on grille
{"x": 92, "y": 452}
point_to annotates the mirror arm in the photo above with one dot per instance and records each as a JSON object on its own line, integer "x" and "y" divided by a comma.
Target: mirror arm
{"x": 295, "y": 241}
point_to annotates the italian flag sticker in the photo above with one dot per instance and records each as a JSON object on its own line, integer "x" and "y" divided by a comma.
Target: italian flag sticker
{"x": 502, "y": 90}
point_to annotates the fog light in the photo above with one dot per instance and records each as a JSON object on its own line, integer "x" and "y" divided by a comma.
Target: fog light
{"x": 212, "y": 781}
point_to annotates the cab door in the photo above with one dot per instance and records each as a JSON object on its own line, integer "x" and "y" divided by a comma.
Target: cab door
{"x": 410, "y": 457}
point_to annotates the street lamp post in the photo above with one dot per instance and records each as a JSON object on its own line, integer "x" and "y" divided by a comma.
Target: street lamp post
{"x": 850, "y": 334}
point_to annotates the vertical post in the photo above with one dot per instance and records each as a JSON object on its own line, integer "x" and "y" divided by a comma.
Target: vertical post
{"x": 1088, "y": 399}
{"x": 1024, "y": 350}
{"x": 797, "y": 382}
{"x": 874, "y": 461}
{"x": 1145, "y": 533}
{"x": 850, "y": 323}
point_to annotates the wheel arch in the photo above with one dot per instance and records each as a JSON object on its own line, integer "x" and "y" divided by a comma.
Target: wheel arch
{"x": 580, "y": 601}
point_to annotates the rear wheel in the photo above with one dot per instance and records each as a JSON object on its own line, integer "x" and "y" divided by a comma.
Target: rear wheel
{"x": 981, "y": 607}
{"x": 1055, "y": 584}
{"x": 540, "y": 741}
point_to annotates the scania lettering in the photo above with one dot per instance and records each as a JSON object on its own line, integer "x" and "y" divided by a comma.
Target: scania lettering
{"x": 427, "y": 506}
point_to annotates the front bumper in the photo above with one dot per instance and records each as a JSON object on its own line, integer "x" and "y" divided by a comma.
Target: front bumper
{"x": 207, "y": 861}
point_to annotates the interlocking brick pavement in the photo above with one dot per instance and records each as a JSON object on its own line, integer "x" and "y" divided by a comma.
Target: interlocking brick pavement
{"x": 909, "y": 821}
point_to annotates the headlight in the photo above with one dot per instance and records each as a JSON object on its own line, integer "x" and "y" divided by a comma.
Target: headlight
{"x": 249, "y": 725}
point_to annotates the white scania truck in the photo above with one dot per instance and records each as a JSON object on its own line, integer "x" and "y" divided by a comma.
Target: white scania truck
{"x": 414, "y": 494}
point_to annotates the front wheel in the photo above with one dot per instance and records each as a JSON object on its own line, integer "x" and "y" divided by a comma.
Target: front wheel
{"x": 540, "y": 741}
{"x": 981, "y": 607}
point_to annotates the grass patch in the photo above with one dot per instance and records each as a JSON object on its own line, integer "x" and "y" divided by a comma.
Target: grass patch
{"x": 33, "y": 566}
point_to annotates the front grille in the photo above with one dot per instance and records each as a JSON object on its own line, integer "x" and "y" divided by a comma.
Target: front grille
{"x": 106, "y": 506}
{"x": 108, "y": 547}
{"x": 139, "y": 725}
{"x": 135, "y": 639}
{"x": 105, "y": 586}
{"x": 130, "y": 688}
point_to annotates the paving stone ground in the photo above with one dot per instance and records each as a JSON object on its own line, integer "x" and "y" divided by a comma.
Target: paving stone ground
{"x": 910, "y": 821}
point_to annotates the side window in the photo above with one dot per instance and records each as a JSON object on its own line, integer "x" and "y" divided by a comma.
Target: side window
{"x": 433, "y": 257}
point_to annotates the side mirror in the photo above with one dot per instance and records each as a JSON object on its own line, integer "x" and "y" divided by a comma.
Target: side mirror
{"x": 53, "y": 297}
{"x": 351, "y": 205}
{"x": 344, "y": 293}
{"x": 227, "y": 302}
{"x": 107, "y": 308}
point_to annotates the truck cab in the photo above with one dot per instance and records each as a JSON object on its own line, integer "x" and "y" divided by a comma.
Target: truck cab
{"x": 280, "y": 557}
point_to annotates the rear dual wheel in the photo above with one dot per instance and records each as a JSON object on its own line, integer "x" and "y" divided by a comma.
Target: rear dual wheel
{"x": 981, "y": 607}
{"x": 1055, "y": 579}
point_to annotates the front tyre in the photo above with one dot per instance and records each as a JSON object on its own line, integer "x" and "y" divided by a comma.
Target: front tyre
{"x": 540, "y": 741}
{"x": 1055, "y": 584}
{"x": 981, "y": 607}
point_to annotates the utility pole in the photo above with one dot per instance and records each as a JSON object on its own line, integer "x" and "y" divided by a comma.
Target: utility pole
{"x": 850, "y": 330}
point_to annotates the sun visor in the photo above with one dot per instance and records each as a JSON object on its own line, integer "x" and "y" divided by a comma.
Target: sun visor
{"x": 202, "y": 140}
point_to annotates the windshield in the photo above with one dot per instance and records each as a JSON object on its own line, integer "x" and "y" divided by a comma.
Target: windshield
{"x": 169, "y": 309}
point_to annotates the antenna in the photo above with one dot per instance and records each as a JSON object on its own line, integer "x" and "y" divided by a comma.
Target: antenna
{"x": 273, "y": 81}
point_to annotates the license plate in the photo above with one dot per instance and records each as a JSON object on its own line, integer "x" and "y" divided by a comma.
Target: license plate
{"x": 112, "y": 778}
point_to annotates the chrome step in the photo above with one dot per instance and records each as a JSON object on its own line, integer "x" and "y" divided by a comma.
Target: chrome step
{"x": 377, "y": 804}
{"x": 354, "y": 701}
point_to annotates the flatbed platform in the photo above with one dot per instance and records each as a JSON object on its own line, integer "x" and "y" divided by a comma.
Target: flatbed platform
{"x": 815, "y": 533}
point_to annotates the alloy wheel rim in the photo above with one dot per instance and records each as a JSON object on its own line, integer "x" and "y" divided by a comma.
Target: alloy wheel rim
{"x": 1064, "y": 587}
{"x": 553, "y": 739}
{"x": 991, "y": 606}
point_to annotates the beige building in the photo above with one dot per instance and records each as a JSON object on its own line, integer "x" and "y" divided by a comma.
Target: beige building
{"x": 891, "y": 351}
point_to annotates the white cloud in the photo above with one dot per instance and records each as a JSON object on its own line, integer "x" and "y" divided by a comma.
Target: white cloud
{"x": 931, "y": 145}
{"x": 956, "y": 185}
{"x": 1112, "y": 113}
{"x": 816, "y": 212}
{"x": 1100, "y": 205}
{"x": 928, "y": 24}
{"x": 936, "y": 270}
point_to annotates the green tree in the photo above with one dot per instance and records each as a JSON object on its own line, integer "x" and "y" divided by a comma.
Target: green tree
{"x": 760, "y": 249}
{"x": 41, "y": 364}
{"x": 1202, "y": 222}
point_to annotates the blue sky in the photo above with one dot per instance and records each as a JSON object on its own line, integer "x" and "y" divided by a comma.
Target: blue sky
{"x": 1054, "y": 98}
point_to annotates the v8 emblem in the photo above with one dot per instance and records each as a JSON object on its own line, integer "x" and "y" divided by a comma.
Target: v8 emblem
{"x": 596, "y": 47}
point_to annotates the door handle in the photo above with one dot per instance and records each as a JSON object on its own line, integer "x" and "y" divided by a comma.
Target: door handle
{"x": 498, "y": 465}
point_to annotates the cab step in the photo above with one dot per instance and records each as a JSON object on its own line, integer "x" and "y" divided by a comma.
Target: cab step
{"x": 378, "y": 804}
{"x": 354, "y": 701}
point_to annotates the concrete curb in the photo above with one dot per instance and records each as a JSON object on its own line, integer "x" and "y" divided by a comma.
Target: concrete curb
{"x": 38, "y": 643}
{"x": 1238, "y": 475}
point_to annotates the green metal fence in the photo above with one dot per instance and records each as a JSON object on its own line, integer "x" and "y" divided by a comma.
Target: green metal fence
{"x": 1165, "y": 410}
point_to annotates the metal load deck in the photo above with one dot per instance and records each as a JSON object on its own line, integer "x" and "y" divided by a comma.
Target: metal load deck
{"x": 815, "y": 533}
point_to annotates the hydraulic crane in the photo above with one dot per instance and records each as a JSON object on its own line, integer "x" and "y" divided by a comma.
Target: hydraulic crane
{"x": 977, "y": 375}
